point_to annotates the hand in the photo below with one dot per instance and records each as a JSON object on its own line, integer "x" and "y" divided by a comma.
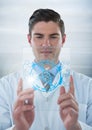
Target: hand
{"x": 23, "y": 114}
{"x": 69, "y": 107}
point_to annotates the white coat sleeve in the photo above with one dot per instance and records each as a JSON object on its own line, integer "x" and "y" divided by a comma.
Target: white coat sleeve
{"x": 88, "y": 124}
{"x": 6, "y": 97}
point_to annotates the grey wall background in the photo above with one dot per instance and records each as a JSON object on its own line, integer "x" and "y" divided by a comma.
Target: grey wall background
{"x": 14, "y": 47}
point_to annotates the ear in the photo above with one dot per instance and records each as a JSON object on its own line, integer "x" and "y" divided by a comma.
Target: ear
{"x": 29, "y": 38}
{"x": 63, "y": 39}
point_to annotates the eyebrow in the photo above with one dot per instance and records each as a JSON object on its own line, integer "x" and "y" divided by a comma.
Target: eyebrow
{"x": 38, "y": 34}
{"x": 53, "y": 34}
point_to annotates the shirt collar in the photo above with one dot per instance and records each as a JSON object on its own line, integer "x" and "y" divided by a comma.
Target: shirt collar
{"x": 53, "y": 70}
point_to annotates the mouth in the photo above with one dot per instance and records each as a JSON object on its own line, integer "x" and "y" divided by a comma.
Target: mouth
{"x": 46, "y": 51}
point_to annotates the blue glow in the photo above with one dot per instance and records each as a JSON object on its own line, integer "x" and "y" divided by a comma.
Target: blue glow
{"x": 32, "y": 77}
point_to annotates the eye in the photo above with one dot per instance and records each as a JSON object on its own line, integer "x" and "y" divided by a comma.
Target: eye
{"x": 54, "y": 37}
{"x": 39, "y": 37}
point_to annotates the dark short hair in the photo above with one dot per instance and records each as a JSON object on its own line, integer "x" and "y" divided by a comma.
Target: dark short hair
{"x": 46, "y": 15}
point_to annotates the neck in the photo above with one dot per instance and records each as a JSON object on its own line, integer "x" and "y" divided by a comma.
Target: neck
{"x": 47, "y": 64}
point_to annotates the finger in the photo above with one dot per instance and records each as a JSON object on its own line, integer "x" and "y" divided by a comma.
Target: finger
{"x": 62, "y": 90}
{"x": 70, "y": 111}
{"x": 70, "y": 103}
{"x": 28, "y": 98}
{"x": 17, "y": 112}
{"x": 65, "y": 97}
{"x": 21, "y": 100}
{"x": 26, "y": 92}
{"x": 20, "y": 86}
{"x": 71, "y": 89}
{"x": 28, "y": 107}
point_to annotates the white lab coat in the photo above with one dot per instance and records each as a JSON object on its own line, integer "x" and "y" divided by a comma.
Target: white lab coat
{"x": 46, "y": 108}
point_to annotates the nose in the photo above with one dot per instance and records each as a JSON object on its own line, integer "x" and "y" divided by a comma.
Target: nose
{"x": 46, "y": 42}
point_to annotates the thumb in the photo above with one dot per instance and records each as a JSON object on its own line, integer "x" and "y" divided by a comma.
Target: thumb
{"x": 62, "y": 90}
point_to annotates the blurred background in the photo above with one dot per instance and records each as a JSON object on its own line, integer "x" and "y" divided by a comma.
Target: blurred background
{"x": 14, "y": 48}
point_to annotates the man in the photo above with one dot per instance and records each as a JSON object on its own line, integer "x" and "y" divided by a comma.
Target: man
{"x": 50, "y": 107}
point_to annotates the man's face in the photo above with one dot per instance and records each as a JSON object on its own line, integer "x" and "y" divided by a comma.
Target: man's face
{"x": 46, "y": 41}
